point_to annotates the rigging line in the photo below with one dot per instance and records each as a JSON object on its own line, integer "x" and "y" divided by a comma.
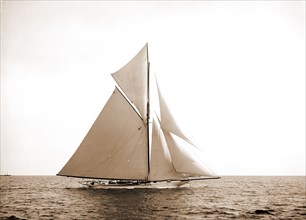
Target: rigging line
{"x": 202, "y": 162}
{"x": 203, "y": 165}
{"x": 157, "y": 118}
{"x": 129, "y": 102}
{"x": 168, "y": 150}
{"x": 193, "y": 148}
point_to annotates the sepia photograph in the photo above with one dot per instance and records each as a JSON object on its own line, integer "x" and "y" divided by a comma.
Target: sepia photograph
{"x": 152, "y": 109}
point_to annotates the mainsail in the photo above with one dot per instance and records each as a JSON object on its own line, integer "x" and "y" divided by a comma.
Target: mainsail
{"x": 123, "y": 144}
{"x": 114, "y": 146}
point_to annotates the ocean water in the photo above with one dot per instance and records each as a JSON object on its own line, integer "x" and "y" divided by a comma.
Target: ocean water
{"x": 52, "y": 197}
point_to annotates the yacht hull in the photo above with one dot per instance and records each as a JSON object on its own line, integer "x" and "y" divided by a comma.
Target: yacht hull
{"x": 134, "y": 185}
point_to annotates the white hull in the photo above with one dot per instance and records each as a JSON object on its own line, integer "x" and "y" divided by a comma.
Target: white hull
{"x": 151, "y": 185}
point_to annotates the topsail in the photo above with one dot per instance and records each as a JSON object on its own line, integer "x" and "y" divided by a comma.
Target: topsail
{"x": 133, "y": 78}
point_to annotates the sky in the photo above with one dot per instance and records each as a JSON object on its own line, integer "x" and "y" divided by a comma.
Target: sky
{"x": 232, "y": 72}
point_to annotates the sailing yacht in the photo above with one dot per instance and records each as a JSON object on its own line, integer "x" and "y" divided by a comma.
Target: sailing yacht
{"x": 130, "y": 145}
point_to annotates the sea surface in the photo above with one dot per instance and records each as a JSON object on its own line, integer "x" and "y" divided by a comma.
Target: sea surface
{"x": 54, "y": 197}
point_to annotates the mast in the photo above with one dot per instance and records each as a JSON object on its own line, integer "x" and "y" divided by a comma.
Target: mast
{"x": 148, "y": 110}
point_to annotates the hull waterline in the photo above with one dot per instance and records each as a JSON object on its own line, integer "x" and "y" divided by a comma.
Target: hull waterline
{"x": 148, "y": 185}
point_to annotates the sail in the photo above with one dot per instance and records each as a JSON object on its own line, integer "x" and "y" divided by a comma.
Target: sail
{"x": 115, "y": 146}
{"x": 166, "y": 119}
{"x": 161, "y": 164}
{"x": 184, "y": 160}
{"x": 133, "y": 78}
{"x": 118, "y": 144}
